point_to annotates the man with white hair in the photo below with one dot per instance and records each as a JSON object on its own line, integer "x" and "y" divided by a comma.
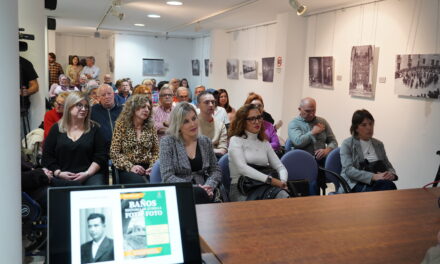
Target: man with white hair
{"x": 91, "y": 71}
{"x": 108, "y": 80}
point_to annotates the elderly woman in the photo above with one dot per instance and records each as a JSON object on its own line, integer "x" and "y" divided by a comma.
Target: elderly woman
{"x": 252, "y": 159}
{"x": 269, "y": 129}
{"x": 74, "y": 149}
{"x": 135, "y": 146}
{"x": 62, "y": 86}
{"x": 223, "y": 100}
{"x": 92, "y": 91}
{"x": 74, "y": 69}
{"x": 186, "y": 156}
{"x": 52, "y": 116}
{"x": 365, "y": 165}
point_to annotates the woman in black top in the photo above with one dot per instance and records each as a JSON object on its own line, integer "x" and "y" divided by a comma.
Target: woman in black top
{"x": 74, "y": 150}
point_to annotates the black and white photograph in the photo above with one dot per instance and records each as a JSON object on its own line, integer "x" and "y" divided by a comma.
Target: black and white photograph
{"x": 153, "y": 67}
{"x": 315, "y": 71}
{"x": 417, "y": 75}
{"x": 206, "y": 67}
{"x": 96, "y": 231}
{"x": 232, "y": 69}
{"x": 250, "y": 69}
{"x": 268, "y": 69}
{"x": 327, "y": 72}
{"x": 361, "y": 72}
{"x": 195, "y": 67}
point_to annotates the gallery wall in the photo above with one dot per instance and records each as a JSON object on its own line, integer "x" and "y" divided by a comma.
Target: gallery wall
{"x": 176, "y": 52}
{"x": 409, "y": 127}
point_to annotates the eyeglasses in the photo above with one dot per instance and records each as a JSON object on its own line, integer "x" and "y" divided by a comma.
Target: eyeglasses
{"x": 207, "y": 102}
{"x": 254, "y": 119}
{"x": 166, "y": 95}
{"x": 81, "y": 106}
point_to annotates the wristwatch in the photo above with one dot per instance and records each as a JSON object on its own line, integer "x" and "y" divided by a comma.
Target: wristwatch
{"x": 269, "y": 180}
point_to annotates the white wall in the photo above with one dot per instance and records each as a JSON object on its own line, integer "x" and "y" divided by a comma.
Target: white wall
{"x": 176, "y": 52}
{"x": 409, "y": 127}
{"x": 201, "y": 51}
{"x": 31, "y": 17}
{"x": 67, "y": 44}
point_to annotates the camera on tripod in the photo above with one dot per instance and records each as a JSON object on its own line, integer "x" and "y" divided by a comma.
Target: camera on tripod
{"x": 23, "y": 46}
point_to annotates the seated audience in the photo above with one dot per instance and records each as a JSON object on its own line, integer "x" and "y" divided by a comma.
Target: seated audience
{"x": 266, "y": 116}
{"x": 124, "y": 90}
{"x": 250, "y": 155}
{"x": 186, "y": 156}
{"x": 174, "y": 84}
{"x": 209, "y": 126}
{"x": 74, "y": 149}
{"x": 108, "y": 80}
{"x": 162, "y": 112}
{"x": 219, "y": 112}
{"x": 52, "y": 116}
{"x": 73, "y": 70}
{"x": 143, "y": 89}
{"x": 223, "y": 101}
{"x": 105, "y": 113}
{"x": 154, "y": 90}
{"x": 269, "y": 129}
{"x": 63, "y": 86}
{"x": 365, "y": 165}
{"x": 135, "y": 146}
{"x": 183, "y": 95}
{"x": 82, "y": 83}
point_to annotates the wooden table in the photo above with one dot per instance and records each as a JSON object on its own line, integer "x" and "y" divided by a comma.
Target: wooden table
{"x": 380, "y": 227}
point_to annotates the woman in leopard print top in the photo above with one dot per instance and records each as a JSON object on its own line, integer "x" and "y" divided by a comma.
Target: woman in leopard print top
{"x": 135, "y": 145}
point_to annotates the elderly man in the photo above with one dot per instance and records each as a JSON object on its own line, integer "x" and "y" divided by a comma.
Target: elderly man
{"x": 310, "y": 132}
{"x": 197, "y": 91}
{"x": 108, "y": 80}
{"x": 211, "y": 127}
{"x": 106, "y": 112}
{"x": 91, "y": 71}
{"x": 161, "y": 113}
{"x": 174, "y": 84}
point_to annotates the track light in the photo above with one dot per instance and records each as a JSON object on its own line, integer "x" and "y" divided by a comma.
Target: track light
{"x": 300, "y": 9}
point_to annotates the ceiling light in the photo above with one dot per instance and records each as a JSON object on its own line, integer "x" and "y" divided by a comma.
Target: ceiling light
{"x": 174, "y": 3}
{"x": 153, "y": 16}
{"x": 300, "y": 8}
{"x": 139, "y": 25}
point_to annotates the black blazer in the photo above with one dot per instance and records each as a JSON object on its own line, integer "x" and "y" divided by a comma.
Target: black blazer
{"x": 104, "y": 253}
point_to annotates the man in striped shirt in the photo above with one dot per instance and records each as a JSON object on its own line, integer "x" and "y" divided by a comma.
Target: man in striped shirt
{"x": 161, "y": 113}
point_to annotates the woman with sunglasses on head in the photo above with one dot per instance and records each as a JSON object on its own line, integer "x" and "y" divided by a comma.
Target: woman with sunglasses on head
{"x": 74, "y": 150}
{"x": 251, "y": 155}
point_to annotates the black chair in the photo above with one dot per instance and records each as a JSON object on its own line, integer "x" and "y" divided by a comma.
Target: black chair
{"x": 437, "y": 177}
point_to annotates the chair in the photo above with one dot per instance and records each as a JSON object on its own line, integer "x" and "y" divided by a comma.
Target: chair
{"x": 333, "y": 169}
{"x": 155, "y": 176}
{"x": 288, "y": 145}
{"x": 301, "y": 165}
{"x": 224, "y": 167}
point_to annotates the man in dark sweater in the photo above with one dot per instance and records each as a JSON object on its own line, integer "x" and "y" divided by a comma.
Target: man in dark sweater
{"x": 106, "y": 112}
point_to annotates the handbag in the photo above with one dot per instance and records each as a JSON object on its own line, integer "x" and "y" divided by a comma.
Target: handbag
{"x": 246, "y": 185}
{"x": 374, "y": 167}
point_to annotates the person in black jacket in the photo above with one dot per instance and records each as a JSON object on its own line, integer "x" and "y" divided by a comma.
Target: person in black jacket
{"x": 74, "y": 150}
{"x": 106, "y": 112}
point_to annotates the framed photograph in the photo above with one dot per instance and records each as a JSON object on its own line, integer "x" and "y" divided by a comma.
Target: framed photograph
{"x": 153, "y": 67}
{"x": 321, "y": 72}
{"x": 268, "y": 68}
{"x": 417, "y": 75}
{"x": 361, "y": 72}
{"x": 195, "y": 67}
{"x": 206, "y": 67}
{"x": 232, "y": 69}
{"x": 249, "y": 69}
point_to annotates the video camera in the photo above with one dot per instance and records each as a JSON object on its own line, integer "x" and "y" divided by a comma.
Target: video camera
{"x": 23, "y": 46}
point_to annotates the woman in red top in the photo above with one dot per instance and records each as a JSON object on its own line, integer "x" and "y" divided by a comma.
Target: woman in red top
{"x": 52, "y": 116}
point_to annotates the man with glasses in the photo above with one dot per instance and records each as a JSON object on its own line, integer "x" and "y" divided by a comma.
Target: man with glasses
{"x": 106, "y": 112}
{"x": 161, "y": 113}
{"x": 211, "y": 127}
{"x": 312, "y": 133}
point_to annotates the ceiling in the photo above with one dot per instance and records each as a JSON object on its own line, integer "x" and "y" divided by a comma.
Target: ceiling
{"x": 84, "y": 16}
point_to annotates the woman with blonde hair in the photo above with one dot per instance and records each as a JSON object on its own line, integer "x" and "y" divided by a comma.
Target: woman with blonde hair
{"x": 74, "y": 149}
{"x": 135, "y": 146}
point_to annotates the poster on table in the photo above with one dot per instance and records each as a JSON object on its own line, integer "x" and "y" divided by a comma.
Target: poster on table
{"x": 417, "y": 75}
{"x": 361, "y": 71}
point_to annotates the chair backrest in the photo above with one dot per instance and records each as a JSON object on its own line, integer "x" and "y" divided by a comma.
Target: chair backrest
{"x": 333, "y": 163}
{"x": 302, "y": 165}
{"x": 288, "y": 146}
{"x": 155, "y": 176}
{"x": 224, "y": 167}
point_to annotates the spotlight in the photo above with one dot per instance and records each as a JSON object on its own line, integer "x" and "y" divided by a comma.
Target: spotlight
{"x": 300, "y": 9}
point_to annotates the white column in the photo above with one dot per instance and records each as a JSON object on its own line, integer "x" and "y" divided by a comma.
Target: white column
{"x": 219, "y": 54}
{"x": 10, "y": 227}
